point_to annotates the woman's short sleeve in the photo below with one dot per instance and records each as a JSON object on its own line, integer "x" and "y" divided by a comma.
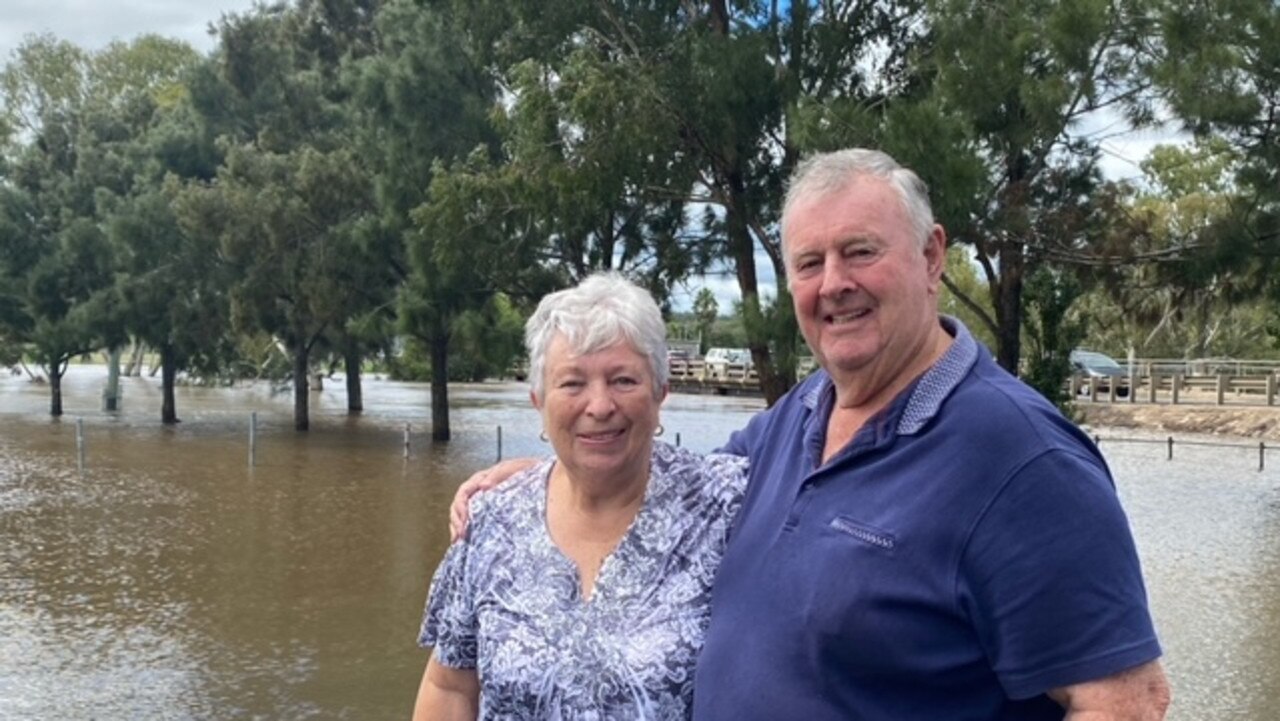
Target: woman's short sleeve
{"x": 449, "y": 622}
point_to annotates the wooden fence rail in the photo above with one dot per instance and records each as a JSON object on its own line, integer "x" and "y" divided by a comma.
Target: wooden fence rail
{"x": 1221, "y": 389}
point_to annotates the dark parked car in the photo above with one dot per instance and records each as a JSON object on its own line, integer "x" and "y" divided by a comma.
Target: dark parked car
{"x": 1103, "y": 367}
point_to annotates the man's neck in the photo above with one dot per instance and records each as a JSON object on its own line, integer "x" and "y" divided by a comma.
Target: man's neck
{"x": 860, "y": 396}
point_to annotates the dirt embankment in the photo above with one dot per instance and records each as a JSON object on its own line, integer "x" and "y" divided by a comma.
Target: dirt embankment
{"x": 1243, "y": 421}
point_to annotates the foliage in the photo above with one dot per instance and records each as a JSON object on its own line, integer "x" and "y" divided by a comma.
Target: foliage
{"x": 962, "y": 275}
{"x": 65, "y": 112}
{"x": 990, "y": 126}
{"x": 340, "y": 171}
{"x": 1220, "y": 73}
{"x": 485, "y": 343}
{"x": 1041, "y": 68}
{"x": 705, "y": 311}
{"x": 663, "y": 128}
{"x": 1195, "y": 303}
{"x": 1052, "y": 331}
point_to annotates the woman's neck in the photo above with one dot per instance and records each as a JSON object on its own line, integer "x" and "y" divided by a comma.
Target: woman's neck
{"x": 587, "y": 516}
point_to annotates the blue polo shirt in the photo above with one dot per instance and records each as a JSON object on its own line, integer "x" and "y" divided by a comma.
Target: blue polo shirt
{"x": 961, "y": 556}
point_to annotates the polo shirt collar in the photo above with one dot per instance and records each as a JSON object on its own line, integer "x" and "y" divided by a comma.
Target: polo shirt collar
{"x": 924, "y": 397}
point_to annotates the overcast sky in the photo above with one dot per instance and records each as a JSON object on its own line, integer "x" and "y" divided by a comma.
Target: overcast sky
{"x": 92, "y": 24}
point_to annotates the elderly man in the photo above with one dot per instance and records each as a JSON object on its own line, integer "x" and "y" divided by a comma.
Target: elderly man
{"x": 923, "y": 536}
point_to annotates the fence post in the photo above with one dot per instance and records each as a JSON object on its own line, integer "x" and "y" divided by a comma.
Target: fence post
{"x": 253, "y": 437}
{"x": 499, "y": 443}
{"x": 1155, "y": 385}
{"x": 1262, "y": 455}
{"x": 1170, "y": 448}
{"x": 677, "y": 439}
{"x": 1271, "y": 389}
{"x": 1177, "y": 387}
{"x": 1133, "y": 383}
{"x": 1222, "y": 388}
{"x": 407, "y": 430}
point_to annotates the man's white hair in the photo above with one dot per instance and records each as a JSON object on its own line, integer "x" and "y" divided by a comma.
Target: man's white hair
{"x": 826, "y": 173}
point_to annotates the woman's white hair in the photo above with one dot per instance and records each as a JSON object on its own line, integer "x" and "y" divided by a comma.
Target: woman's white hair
{"x": 599, "y": 312}
{"x": 826, "y": 173}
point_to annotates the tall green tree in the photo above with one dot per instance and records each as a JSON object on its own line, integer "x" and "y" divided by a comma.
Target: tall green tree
{"x": 423, "y": 104}
{"x": 170, "y": 285}
{"x": 56, "y": 265}
{"x": 289, "y": 200}
{"x": 173, "y": 288}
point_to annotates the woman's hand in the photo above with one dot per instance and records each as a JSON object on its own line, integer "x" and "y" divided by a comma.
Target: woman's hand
{"x": 481, "y": 481}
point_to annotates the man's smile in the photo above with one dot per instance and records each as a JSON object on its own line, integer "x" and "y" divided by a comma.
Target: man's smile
{"x": 848, "y": 316}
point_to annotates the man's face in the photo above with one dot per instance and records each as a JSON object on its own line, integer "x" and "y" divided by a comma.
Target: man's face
{"x": 864, "y": 288}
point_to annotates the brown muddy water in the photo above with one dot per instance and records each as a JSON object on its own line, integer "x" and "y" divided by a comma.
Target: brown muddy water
{"x": 169, "y": 580}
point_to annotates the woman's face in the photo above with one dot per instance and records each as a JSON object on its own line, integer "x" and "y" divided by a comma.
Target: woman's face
{"x": 599, "y": 409}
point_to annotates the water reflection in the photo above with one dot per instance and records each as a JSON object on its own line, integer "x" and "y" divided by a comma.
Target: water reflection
{"x": 170, "y": 580}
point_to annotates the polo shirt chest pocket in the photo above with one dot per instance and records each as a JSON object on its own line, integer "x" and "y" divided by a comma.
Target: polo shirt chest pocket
{"x": 854, "y": 574}
{"x": 861, "y": 532}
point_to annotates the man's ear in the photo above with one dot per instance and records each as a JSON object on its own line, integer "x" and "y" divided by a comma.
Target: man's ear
{"x": 935, "y": 255}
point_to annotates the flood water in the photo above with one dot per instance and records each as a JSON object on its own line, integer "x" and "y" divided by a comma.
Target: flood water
{"x": 169, "y": 580}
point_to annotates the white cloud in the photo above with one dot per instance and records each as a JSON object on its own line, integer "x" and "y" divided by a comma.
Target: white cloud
{"x": 1123, "y": 147}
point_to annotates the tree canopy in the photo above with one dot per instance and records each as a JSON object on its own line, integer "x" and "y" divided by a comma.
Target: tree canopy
{"x": 340, "y": 174}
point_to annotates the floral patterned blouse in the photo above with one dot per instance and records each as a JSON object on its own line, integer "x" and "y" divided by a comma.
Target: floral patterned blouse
{"x": 508, "y": 603}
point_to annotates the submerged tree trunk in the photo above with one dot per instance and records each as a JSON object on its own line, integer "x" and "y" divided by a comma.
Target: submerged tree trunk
{"x": 111, "y": 396}
{"x": 440, "y": 384}
{"x": 55, "y": 389}
{"x": 355, "y": 397}
{"x": 301, "y": 362}
{"x": 169, "y": 373}
{"x": 134, "y": 367}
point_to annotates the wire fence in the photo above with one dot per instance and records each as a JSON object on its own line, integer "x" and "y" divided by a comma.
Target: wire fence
{"x": 1170, "y": 443}
{"x": 411, "y": 437}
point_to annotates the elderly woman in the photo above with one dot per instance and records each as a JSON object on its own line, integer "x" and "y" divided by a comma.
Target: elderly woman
{"x": 582, "y": 587}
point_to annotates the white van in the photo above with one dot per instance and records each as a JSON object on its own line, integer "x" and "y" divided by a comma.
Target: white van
{"x": 719, "y": 360}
